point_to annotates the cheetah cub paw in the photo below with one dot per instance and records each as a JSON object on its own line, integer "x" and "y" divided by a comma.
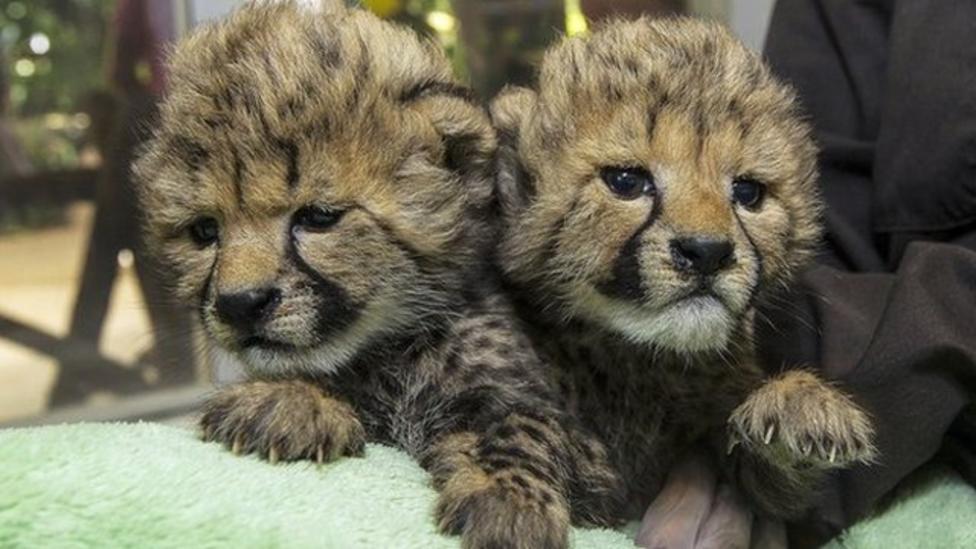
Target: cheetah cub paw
{"x": 282, "y": 420}
{"x": 502, "y": 510}
{"x": 798, "y": 419}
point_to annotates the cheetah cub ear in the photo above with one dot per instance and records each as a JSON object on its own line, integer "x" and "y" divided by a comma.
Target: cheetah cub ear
{"x": 509, "y": 111}
{"x": 468, "y": 139}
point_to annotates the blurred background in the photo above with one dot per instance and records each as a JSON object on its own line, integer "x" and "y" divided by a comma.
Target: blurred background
{"x": 86, "y": 330}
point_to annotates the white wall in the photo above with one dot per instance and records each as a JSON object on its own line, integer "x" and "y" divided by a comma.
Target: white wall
{"x": 749, "y": 19}
{"x": 205, "y": 10}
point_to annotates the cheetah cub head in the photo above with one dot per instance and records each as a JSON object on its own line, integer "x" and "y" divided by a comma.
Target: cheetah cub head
{"x": 317, "y": 181}
{"x": 657, "y": 181}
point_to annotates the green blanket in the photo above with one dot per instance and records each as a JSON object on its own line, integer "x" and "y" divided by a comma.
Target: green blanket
{"x": 148, "y": 485}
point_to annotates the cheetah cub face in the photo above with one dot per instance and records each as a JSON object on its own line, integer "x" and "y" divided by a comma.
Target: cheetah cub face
{"x": 302, "y": 188}
{"x": 658, "y": 180}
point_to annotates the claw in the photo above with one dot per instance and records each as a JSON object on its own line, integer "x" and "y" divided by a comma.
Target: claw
{"x": 236, "y": 448}
{"x": 833, "y": 452}
{"x": 207, "y": 434}
{"x": 807, "y": 448}
{"x": 320, "y": 455}
{"x": 273, "y": 455}
{"x": 769, "y": 434}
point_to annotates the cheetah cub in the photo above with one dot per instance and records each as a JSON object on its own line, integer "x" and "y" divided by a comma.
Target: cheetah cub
{"x": 319, "y": 187}
{"x": 657, "y": 185}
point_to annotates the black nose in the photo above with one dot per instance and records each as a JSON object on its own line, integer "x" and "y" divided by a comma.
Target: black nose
{"x": 243, "y": 310}
{"x": 703, "y": 256}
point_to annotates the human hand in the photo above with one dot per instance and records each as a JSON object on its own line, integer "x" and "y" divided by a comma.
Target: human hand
{"x": 696, "y": 510}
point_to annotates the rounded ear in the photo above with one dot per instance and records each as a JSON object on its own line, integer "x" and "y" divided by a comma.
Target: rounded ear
{"x": 509, "y": 110}
{"x": 466, "y": 132}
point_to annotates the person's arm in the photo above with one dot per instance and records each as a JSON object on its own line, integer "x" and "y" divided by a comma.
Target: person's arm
{"x": 903, "y": 343}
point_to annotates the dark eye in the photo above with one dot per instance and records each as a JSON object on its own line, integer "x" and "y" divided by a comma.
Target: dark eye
{"x": 204, "y": 231}
{"x": 628, "y": 183}
{"x": 316, "y": 218}
{"x": 748, "y": 192}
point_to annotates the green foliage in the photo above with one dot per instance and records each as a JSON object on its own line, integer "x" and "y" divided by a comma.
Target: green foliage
{"x": 58, "y": 79}
{"x": 416, "y": 14}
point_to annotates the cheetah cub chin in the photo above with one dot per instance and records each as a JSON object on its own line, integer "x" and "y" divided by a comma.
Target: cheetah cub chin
{"x": 319, "y": 185}
{"x": 655, "y": 187}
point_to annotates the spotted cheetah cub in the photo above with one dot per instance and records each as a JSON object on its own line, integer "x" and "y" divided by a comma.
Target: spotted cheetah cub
{"x": 319, "y": 186}
{"x": 656, "y": 187}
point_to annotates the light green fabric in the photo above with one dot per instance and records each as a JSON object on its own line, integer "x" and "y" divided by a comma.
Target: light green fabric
{"x": 148, "y": 485}
{"x": 935, "y": 509}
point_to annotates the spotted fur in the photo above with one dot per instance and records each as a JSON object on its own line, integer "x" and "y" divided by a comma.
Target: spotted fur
{"x": 319, "y": 186}
{"x": 654, "y": 355}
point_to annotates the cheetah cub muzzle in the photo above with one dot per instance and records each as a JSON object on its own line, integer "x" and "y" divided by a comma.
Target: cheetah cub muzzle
{"x": 319, "y": 187}
{"x": 656, "y": 186}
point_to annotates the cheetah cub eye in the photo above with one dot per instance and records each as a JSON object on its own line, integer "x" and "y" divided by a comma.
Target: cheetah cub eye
{"x": 204, "y": 231}
{"x": 315, "y": 219}
{"x": 748, "y": 192}
{"x": 629, "y": 183}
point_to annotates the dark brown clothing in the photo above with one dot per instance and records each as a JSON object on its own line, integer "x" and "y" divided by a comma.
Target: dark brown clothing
{"x": 891, "y": 310}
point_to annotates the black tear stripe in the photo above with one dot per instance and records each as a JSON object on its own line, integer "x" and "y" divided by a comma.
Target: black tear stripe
{"x": 429, "y": 88}
{"x": 335, "y": 310}
{"x": 760, "y": 267}
{"x": 192, "y": 153}
{"x": 290, "y": 151}
{"x": 205, "y": 292}
{"x": 625, "y": 280}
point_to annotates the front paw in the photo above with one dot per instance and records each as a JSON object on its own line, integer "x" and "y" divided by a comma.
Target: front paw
{"x": 510, "y": 511}
{"x": 798, "y": 419}
{"x": 282, "y": 420}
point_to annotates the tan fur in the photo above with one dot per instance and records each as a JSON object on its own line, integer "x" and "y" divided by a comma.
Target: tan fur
{"x": 653, "y": 355}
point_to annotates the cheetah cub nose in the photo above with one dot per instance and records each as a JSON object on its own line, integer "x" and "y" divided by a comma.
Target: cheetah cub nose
{"x": 701, "y": 255}
{"x": 244, "y": 310}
